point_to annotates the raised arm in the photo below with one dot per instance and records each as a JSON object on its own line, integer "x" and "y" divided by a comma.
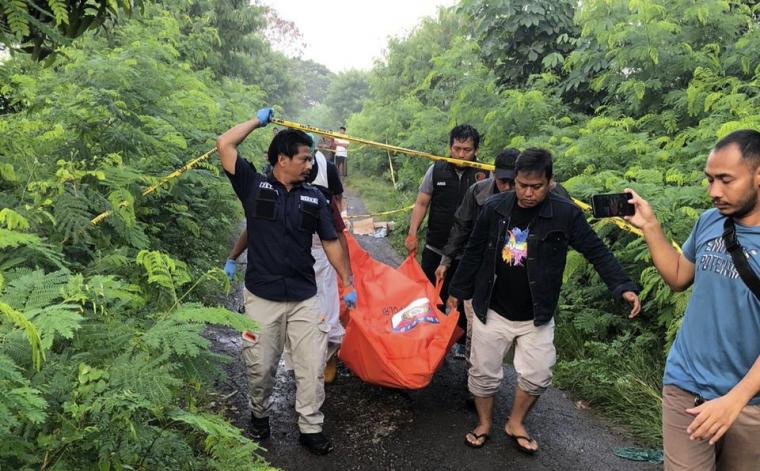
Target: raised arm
{"x": 227, "y": 143}
{"x": 676, "y": 270}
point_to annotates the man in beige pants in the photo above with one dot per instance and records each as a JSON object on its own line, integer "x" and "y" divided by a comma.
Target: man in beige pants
{"x": 512, "y": 270}
{"x": 711, "y": 393}
{"x": 282, "y": 213}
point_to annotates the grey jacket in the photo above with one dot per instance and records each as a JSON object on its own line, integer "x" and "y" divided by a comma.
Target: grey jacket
{"x": 465, "y": 217}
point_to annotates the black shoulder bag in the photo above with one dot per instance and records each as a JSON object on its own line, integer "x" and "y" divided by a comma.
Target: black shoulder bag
{"x": 736, "y": 251}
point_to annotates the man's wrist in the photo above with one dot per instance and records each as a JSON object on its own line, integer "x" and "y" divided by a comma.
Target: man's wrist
{"x": 741, "y": 394}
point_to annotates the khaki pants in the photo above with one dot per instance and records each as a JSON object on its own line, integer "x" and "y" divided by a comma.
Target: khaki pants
{"x": 534, "y": 354}
{"x": 737, "y": 450}
{"x": 306, "y": 332}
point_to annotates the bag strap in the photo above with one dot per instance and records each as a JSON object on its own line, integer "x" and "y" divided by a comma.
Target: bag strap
{"x": 736, "y": 251}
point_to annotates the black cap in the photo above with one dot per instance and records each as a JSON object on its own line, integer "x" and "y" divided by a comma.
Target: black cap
{"x": 505, "y": 164}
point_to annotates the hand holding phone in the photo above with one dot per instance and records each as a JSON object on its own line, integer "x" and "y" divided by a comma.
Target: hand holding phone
{"x": 612, "y": 205}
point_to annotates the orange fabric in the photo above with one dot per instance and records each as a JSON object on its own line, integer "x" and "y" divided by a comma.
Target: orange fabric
{"x": 382, "y": 345}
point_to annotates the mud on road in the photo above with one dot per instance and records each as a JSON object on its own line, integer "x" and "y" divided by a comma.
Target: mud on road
{"x": 375, "y": 428}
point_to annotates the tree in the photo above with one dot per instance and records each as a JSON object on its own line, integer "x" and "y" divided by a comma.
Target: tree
{"x": 347, "y": 93}
{"x": 519, "y": 38}
{"x": 315, "y": 79}
{"x": 39, "y": 27}
{"x": 230, "y": 38}
{"x": 642, "y": 55}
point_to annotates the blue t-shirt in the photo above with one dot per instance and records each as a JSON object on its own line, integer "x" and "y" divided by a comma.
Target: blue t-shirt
{"x": 719, "y": 340}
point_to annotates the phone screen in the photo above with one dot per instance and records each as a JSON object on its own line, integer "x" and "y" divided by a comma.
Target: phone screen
{"x": 611, "y": 205}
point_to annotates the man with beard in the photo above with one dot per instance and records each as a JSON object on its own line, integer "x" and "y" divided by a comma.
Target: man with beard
{"x": 711, "y": 387}
{"x": 282, "y": 213}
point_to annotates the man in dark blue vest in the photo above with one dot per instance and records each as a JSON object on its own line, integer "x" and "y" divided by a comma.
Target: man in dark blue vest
{"x": 443, "y": 189}
{"x": 282, "y": 213}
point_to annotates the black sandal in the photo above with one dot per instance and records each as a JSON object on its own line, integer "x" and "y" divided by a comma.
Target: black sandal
{"x": 516, "y": 438}
{"x": 478, "y": 437}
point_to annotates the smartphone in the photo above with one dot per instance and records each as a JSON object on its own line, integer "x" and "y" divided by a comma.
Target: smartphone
{"x": 611, "y": 205}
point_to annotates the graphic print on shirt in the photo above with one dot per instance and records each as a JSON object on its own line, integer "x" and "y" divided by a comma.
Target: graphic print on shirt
{"x": 515, "y": 250}
{"x": 716, "y": 259}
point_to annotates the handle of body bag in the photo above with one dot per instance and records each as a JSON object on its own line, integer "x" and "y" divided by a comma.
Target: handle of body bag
{"x": 438, "y": 287}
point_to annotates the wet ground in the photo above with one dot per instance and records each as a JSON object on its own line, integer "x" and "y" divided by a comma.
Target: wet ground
{"x": 376, "y": 428}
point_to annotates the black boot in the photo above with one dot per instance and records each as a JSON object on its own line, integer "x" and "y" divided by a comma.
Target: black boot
{"x": 259, "y": 427}
{"x": 316, "y": 443}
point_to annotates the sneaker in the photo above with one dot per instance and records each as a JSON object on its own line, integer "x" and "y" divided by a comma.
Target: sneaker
{"x": 259, "y": 427}
{"x": 316, "y": 443}
{"x": 331, "y": 369}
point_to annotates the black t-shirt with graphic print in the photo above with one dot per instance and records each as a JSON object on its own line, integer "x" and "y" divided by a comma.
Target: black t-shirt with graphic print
{"x": 511, "y": 296}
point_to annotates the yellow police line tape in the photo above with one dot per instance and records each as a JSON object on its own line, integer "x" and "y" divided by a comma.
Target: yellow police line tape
{"x": 188, "y": 166}
{"x": 383, "y": 213}
{"x": 402, "y": 150}
{"x": 621, "y": 223}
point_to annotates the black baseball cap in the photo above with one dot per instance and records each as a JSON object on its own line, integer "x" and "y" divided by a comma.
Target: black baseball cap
{"x": 505, "y": 164}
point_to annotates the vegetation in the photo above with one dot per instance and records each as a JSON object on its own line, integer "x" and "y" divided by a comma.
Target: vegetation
{"x": 102, "y": 361}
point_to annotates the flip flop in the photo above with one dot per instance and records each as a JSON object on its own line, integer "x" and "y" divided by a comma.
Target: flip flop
{"x": 477, "y": 437}
{"x": 516, "y": 438}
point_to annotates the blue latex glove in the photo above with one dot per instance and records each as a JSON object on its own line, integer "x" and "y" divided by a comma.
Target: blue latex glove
{"x": 349, "y": 297}
{"x": 264, "y": 115}
{"x": 229, "y": 268}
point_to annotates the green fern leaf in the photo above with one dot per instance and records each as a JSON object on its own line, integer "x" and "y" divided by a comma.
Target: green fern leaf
{"x": 150, "y": 376}
{"x": 197, "y": 313}
{"x": 7, "y": 173}
{"x": 17, "y": 17}
{"x": 164, "y": 271}
{"x": 122, "y": 206}
{"x": 36, "y": 289}
{"x": 38, "y": 353}
{"x": 13, "y": 220}
{"x": 60, "y": 320}
{"x": 73, "y": 216}
{"x": 575, "y": 262}
{"x": 10, "y": 239}
{"x": 58, "y": 8}
{"x": 177, "y": 338}
{"x": 227, "y": 446}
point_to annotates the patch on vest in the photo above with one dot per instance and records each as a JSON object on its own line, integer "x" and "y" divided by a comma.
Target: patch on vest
{"x": 266, "y": 185}
{"x": 480, "y": 176}
{"x": 440, "y": 184}
{"x": 309, "y": 199}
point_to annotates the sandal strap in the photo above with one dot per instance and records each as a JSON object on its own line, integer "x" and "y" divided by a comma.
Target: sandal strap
{"x": 478, "y": 436}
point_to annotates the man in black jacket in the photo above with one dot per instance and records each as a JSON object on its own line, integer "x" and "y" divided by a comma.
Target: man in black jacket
{"x": 503, "y": 179}
{"x": 512, "y": 269}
